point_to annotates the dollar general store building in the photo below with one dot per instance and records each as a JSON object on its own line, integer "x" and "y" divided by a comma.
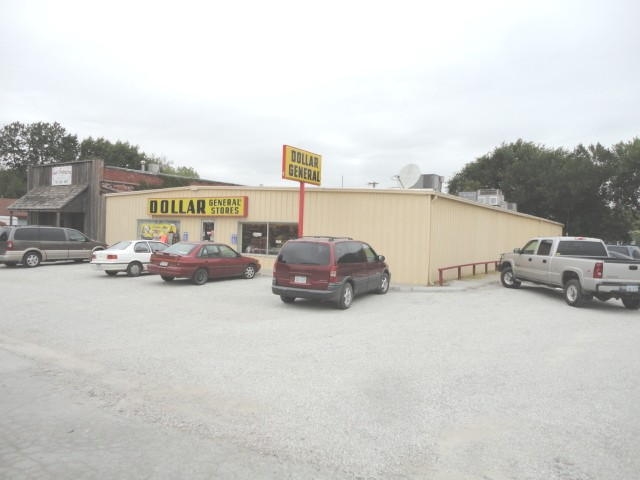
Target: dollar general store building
{"x": 418, "y": 230}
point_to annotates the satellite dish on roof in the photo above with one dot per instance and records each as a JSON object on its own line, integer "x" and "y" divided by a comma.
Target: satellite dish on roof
{"x": 409, "y": 175}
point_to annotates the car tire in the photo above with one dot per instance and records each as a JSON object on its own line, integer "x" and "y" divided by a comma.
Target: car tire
{"x": 249, "y": 271}
{"x": 287, "y": 299}
{"x": 31, "y": 259}
{"x": 167, "y": 278}
{"x": 631, "y": 303}
{"x": 111, "y": 273}
{"x": 508, "y": 280}
{"x": 573, "y": 293}
{"x": 200, "y": 276}
{"x": 384, "y": 284}
{"x": 346, "y": 296}
{"x": 134, "y": 269}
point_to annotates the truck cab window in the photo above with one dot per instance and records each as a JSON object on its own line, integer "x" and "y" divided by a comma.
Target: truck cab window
{"x": 545, "y": 247}
{"x": 531, "y": 247}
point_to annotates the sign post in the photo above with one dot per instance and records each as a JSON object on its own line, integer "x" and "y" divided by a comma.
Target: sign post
{"x": 303, "y": 167}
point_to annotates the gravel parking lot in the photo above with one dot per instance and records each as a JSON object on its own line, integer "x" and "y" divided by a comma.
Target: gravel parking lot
{"x": 131, "y": 378}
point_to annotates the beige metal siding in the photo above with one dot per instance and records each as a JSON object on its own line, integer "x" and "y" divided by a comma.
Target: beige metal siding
{"x": 468, "y": 232}
{"x": 394, "y": 223}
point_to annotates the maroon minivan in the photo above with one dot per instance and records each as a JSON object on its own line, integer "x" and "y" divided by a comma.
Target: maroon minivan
{"x": 328, "y": 268}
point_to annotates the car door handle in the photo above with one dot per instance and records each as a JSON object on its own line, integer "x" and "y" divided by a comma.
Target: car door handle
{"x": 529, "y": 258}
{"x": 544, "y": 261}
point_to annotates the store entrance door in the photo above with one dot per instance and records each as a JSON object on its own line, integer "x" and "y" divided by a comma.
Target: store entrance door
{"x": 207, "y": 230}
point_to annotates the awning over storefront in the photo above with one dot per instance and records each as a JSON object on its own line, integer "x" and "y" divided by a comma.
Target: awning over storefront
{"x": 49, "y": 198}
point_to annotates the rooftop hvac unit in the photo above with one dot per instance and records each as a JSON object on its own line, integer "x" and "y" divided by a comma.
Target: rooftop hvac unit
{"x": 431, "y": 181}
{"x": 469, "y": 195}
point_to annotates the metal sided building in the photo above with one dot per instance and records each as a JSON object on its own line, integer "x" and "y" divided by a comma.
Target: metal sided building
{"x": 418, "y": 230}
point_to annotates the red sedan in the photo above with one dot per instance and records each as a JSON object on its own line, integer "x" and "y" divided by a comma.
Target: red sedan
{"x": 201, "y": 261}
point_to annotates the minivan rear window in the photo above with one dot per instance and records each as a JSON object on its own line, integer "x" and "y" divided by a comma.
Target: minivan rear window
{"x": 26, "y": 233}
{"x": 307, "y": 253}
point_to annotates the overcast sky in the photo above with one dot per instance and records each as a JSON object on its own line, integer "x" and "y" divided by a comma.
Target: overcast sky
{"x": 371, "y": 86}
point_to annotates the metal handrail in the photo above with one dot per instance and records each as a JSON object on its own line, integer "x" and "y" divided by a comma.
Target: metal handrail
{"x": 459, "y": 267}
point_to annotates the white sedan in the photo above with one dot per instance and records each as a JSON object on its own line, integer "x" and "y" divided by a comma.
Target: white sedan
{"x": 131, "y": 256}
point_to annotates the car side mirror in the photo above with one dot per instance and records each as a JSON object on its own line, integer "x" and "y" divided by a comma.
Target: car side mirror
{"x": 517, "y": 250}
{"x": 381, "y": 258}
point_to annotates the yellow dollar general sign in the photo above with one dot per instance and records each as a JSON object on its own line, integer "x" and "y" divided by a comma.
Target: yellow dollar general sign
{"x": 301, "y": 166}
{"x": 214, "y": 206}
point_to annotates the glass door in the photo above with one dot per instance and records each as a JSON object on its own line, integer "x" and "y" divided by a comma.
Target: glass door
{"x": 207, "y": 230}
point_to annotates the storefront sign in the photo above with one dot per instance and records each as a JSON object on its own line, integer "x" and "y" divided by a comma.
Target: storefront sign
{"x": 300, "y": 165}
{"x": 210, "y": 206}
{"x": 61, "y": 175}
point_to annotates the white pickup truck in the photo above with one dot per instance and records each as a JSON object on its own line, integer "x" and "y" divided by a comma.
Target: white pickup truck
{"x": 580, "y": 266}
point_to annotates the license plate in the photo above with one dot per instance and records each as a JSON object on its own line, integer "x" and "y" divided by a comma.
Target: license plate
{"x": 631, "y": 288}
{"x": 163, "y": 264}
{"x": 299, "y": 279}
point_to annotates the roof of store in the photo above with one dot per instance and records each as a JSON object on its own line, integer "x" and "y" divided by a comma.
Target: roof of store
{"x": 52, "y": 197}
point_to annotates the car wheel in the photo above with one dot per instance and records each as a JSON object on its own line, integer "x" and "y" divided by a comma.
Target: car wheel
{"x": 573, "y": 293}
{"x": 31, "y": 259}
{"x": 631, "y": 303}
{"x": 111, "y": 273}
{"x": 508, "y": 279}
{"x": 167, "y": 278}
{"x": 286, "y": 299}
{"x": 200, "y": 276}
{"x": 346, "y": 296}
{"x": 384, "y": 284}
{"x": 249, "y": 271}
{"x": 134, "y": 269}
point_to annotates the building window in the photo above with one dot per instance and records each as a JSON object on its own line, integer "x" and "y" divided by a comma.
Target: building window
{"x": 266, "y": 238}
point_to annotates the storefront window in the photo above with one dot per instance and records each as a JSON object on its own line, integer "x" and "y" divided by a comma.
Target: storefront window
{"x": 166, "y": 231}
{"x": 266, "y": 238}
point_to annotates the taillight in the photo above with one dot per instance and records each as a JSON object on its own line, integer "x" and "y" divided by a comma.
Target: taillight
{"x": 597, "y": 270}
{"x": 333, "y": 274}
{"x": 112, "y": 256}
{"x": 9, "y": 245}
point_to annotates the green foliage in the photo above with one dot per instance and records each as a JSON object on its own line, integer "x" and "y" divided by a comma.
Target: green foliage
{"x": 13, "y": 183}
{"x": 119, "y": 154}
{"x": 22, "y": 146}
{"x": 591, "y": 190}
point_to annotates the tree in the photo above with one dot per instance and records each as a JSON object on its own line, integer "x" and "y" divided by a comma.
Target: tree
{"x": 13, "y": 183}
{"x": 22, "y": 146}
{"x": 623, "y": 168}
{"x": 568, "y": 187}
{"x": 119, "y": 154}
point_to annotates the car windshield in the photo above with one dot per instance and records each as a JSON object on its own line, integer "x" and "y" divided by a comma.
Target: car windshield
{"x": 120, "y": 245}
{"x": 309, "y": 253}
{"x": 180, "y": 248}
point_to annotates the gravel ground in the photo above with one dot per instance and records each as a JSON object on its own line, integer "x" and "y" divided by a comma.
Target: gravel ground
{"x": 123, "y": 378}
